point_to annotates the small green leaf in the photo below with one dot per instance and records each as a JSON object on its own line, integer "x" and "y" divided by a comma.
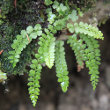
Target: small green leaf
{"x": 48, "y": 2}
{"x": 51, "y": 17}
{"x": 64, "y": 86}
{"x": 73, "y": 16}
{"x": 55, "y": 5}
{"x": 39, "y": 33}
{"x": 23, "y": 33}
{"x": 70, "y": 27}
{"x": 29, "y": 29}
{"x": 37, "y": 27}
{"x": 63, "y": 8}
{"x": 33, "y": 35}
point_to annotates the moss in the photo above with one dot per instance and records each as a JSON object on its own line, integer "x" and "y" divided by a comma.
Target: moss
{"x": 17, "y": 18}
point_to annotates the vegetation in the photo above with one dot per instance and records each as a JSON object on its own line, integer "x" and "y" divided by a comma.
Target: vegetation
{"x": 23, "y": 50}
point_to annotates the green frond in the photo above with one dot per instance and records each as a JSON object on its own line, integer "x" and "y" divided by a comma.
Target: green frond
{"x": 86, "y": 50}
{"x": 50, "y": 54}
{"x": 34, "y": 77}
{"x": 78, "y": 48}
{"x": 84, "y": 28}
{"x": 34, "y": 74}
{"x": 61, "y": 66}
{"x": 49, "y": 48}
{"x": 22, "y": 41}
{"x": 83, "y": 42}
{"x": 92, "y": 61}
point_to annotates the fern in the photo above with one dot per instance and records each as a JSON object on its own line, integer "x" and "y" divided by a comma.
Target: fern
{"x": 34, "y": 74}
{"x": 92, "y": 53}
{"x": 45, "y": 54}
{"x": 88, "y": 52}
{"x": 86, "y": 48}
{"x": 61, "y": 66}
{"x": 89, "y": 30}
{"x": 49, "y": 49}
{"x": 84, "y": 28}
{"x": 83, "y": 42}
{"x": 78, "y": 47}
{"x": 49, "y": 55}
{"x": 22, "y": 41}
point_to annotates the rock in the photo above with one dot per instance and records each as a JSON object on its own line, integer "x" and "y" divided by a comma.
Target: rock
{"x": 107, "y": 70}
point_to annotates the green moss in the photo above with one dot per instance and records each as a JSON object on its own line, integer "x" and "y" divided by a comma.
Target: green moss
{"x": 13, "y": 20}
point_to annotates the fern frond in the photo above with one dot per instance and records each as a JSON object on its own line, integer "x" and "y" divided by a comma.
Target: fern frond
{"x": 61, "y": 66}
{"x": 84, "y": 28}
{"x": 86, "y": 50}
{"x": 34, "y": 74}
{"x": 49, "y": 48}
{"x": 92, "y": 54}
{"x": 22, "y": 41}
{"x": 50, "y": 54}
{"x": 78, "y": 48}
{"x": 34, "y": 77}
